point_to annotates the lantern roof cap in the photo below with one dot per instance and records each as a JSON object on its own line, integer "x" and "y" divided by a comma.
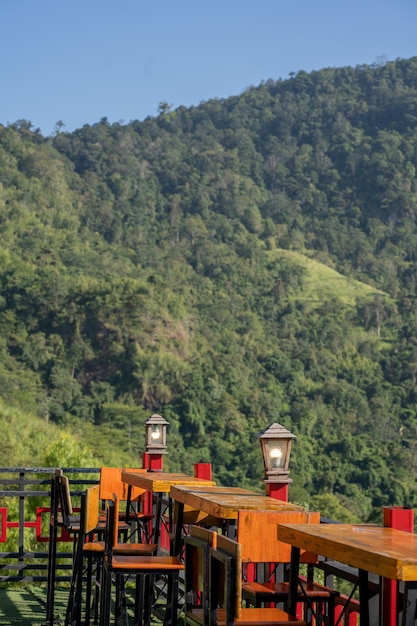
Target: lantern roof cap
{"x": 275, "y": 431}
{"x": 156, "y": 419}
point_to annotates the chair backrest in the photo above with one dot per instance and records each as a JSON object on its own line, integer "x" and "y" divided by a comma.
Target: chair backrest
{"x": 111, "y": 482}
{"x": 197, "y": 544}
{"x": 91, "y": 509}
{"x": 226, "y": 577}
{"x": 258, "y": 535}
{"x": 111, "y": 528}
{"x": 204, "y": 534}
{"x": 64, "y": 497}
{"x": 115, "y": 523}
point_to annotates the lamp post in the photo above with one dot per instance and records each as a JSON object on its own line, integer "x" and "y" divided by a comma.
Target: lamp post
{"x": 276, "y": 449}
{"x": 156, "y": 438}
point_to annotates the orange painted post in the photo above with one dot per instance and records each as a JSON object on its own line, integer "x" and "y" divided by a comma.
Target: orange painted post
{"x": 400, "y": 518}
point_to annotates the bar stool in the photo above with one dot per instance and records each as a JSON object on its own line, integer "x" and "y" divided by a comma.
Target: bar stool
{"x": 144, "y": 567}
{"x": 92, "y": 551}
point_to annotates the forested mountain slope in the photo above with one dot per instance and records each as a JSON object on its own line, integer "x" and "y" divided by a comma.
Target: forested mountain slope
{"x": 246, "y": 261}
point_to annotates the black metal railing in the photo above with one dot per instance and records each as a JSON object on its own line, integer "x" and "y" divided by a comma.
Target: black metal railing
{"x": 24, "y": 521}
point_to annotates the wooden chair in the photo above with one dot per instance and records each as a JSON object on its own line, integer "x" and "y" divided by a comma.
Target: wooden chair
{"x": 196, "y": 555}
{"x": 110, "y": 483}
{"x": 90, "y": 550}
{"x": 225, "y": 566}
{"x": 142, "y": 565}
{"x": 316, "y": 598}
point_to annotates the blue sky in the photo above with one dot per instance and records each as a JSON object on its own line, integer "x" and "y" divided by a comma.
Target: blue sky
{"x": 81, "y": 60}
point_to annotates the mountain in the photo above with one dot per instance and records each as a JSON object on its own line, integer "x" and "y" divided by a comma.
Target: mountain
{"x": 247, "y": 261}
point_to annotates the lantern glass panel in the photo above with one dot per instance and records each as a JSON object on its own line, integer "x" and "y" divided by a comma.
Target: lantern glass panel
{"x": 155, "y": 434}
{"x": 276, "y": 453}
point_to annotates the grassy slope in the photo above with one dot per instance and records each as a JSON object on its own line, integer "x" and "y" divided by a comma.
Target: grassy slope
{"x": 322, "y": 282}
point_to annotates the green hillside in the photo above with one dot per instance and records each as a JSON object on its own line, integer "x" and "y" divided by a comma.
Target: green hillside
{"x": 247, "y": 261}
{"x": 323, "y": 283}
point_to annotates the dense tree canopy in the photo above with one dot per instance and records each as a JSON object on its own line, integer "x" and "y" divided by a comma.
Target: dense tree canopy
{"x": 247, "y": 261}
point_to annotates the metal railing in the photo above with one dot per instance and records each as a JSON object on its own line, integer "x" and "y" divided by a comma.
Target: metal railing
{"x": 24, "y": 521}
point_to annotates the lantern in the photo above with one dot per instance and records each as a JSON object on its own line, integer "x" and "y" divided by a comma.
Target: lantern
{"x": 156, "y": 434}
{"x": 276, "y": 448}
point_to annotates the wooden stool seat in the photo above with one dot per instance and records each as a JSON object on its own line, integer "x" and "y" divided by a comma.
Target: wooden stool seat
{"x": 135, "y": 549}
{"x": 122, "y": 549}
{"x": 93, "y": 547}
{"x": 262, "y": 617}
{"x": 157, "y": 564}
{"x": 278, "y": 592}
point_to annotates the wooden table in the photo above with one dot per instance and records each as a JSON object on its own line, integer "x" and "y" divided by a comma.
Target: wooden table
{"x": 387, "y": 552}
{"x": 221, "y": 504}
{"x": 224, "y": 502}
{"x": 160, "y": 483}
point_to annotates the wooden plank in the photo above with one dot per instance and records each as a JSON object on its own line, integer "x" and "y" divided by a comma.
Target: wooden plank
{"x": 258, "y": 533}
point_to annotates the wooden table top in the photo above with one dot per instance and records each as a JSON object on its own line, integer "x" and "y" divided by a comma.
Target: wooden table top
{"x": 161, "y": 482}
{"x": 384, "y": 551}
{"x": 225, "y": 502}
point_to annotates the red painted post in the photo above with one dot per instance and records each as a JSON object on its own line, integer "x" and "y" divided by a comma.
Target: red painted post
{"x": 402, "y": 519}
{"x": 147, "y": 503}
{"x": 155, "y": 463}
{"x": 152, "y": 462}
{"x": 203, "y": 470}
{"x": 279, "y": 491}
